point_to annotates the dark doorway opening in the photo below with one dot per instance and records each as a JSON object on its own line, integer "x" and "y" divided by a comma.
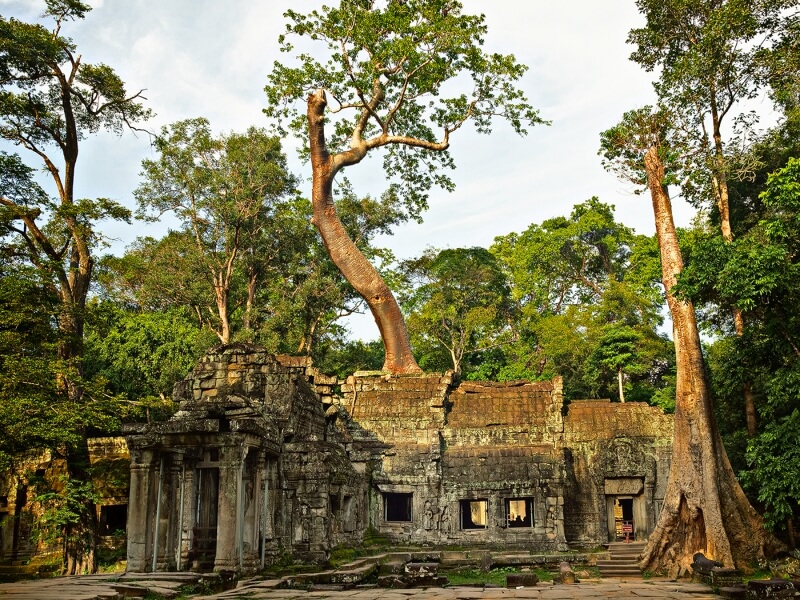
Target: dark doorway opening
{"x": 204, "y": 541}
{"x": 623, "y": 519}
{"x": 113, "y": 519}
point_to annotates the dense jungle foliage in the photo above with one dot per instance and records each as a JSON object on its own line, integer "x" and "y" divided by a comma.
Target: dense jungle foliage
{"x": 88, "y": 340}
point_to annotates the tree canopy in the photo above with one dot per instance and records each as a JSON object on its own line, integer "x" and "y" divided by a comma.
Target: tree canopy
{"x": 385, "y": 84}
{"x": 459, "y": 301}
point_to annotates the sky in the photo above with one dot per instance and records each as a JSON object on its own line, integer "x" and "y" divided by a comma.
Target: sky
{"x": 211, "y": 58}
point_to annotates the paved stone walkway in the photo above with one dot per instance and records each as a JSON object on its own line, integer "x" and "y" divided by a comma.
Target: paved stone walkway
{"x": 102, "y": 587}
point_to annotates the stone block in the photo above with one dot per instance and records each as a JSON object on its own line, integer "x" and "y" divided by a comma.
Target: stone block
{"x": 395, "y": 567}
{"x": 419, "y": 569}
{"x": 725, "y": 577}
{"x": 353, "y": 576}
{"x": 770, "y": 588}
{"x": 566, "y": 574}
{"x": 515, "y": 580}
{"x": 207, "y": 384}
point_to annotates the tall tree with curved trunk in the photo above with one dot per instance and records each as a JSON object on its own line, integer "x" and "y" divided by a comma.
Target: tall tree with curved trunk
{"x": 705, "y": 509}
{"x": 49, "y": 100}
{"x": 714, "y": 55}
{"x": 389, "y": 66}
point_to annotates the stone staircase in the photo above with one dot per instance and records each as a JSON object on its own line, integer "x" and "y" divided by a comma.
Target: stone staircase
{"x": 623, "y": 561}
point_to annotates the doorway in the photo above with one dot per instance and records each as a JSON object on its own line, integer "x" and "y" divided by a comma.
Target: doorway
{"x": 204, "y": 539}
{"x": 624, "y": 526}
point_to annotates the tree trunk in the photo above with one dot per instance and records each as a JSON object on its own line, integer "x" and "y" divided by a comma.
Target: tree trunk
{"x": 619, "y": 383}
{"x": 747, "y": 387}
{"x": 705, "y": 509}
{"x": 80, "y": 536}
{"x": 252, "y": 279}
{"x": 221, "y": 297}
{"x": 364, "y": 278}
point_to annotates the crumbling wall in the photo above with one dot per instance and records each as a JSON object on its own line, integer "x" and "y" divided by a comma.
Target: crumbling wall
{"x": 253, "y": 430}
{"x": 36, "y": 472}
{"x": 304, "y": 462}
{"x": 502, "y": 445}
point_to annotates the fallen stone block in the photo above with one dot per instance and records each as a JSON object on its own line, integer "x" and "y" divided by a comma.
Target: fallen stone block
{"x": 566, "y": 574}
{"x": 397, "y": 582}
{"x": 725, "y": 577}
{"x": 421, "y": 569}
{"x": 515, "y": 580}
{"x": 353, "y": 576}
{"x": 392, "y": 568}
{"x": 734, "y": 593}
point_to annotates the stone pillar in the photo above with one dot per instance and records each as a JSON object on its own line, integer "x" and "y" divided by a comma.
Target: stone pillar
{"x": 650, "y": 504}
{"x": 139, "y": 510}
{"x": 186, "y": 513}
{"x": 253, "y": 499}
{"x": 230, "y": 478}
{"x": 170, "y": 513}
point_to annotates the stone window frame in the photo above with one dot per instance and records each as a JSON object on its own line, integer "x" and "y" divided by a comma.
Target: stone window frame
{"x": 465, "y": 504}
{"x": 530, "y": 502}
{"x": 407, "y": 497}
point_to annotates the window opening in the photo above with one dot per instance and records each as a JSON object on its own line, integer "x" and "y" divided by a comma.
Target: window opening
{"x": 474, "y": 514}
{"x": 519, "y": 512}
{"x": 397, "y": 507}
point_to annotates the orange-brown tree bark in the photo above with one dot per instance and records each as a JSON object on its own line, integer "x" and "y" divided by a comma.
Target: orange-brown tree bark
{"x": 705, "y": 509}
{"x": 364, "y": 278}
{"x": 387, "y": 70}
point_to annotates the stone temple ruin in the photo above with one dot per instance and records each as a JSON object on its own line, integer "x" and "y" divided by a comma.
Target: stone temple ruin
{"x": 268, "y": 456}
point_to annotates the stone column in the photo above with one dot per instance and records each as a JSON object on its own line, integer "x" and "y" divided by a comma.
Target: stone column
{"x": 139, "y": 510}
{"x": 650, "y": 504}
{"x": 186, "y": 512}
{"x": 230, "y": 477}
{"x": 170, "y": 513}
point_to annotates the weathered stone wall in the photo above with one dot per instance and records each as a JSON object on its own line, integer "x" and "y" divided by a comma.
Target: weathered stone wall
{"x": 501, "y": 443}
{"x": 36, "y": 472}
{"x": 19, "y": 486}
{"x": 609, "y": 442}
{"x": 444, "y": 447}
{"x": 295, "y": 466}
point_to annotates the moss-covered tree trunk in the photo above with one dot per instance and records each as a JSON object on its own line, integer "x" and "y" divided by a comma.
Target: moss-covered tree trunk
{"x": 705, "y": 509}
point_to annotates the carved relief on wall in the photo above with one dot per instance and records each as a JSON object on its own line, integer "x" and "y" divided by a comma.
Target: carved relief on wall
{"x": 623, "y": 456}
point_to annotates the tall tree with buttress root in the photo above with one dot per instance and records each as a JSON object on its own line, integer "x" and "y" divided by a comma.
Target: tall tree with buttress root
{"x": 399, "y": 77}
{"x": 714, "y": 56}
{"x": 705, "y": 509}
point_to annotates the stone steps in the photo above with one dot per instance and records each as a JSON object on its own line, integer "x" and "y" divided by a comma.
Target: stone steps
{"x": 623, "y": 561}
